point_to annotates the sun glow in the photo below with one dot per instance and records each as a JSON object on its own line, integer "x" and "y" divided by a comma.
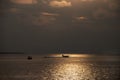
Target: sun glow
{"x": 59, "y": 4}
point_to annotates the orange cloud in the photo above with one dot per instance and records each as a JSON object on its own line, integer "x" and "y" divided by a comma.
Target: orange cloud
{"x": 45, "y": 19}
{"x": 49, "y": 14}
{"x": 59, "y": 4}
{"x": 87, "y": 0}
{"x": 81, "y": 18}
{"x": 24, "y": 1}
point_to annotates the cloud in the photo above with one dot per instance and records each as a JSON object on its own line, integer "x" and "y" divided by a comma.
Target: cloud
{"x": 45, "y": 19}
{"x": 87, "y": 0}
{"x": 24, "y": 1}
{"x": 49, "y": 14}
{"x": 81, "y": 18}
{"x": 59, "y": 4}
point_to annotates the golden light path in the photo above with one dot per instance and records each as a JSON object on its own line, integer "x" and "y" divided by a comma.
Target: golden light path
{"x": 72, "y": 71}
{"x": 71, "y": 55}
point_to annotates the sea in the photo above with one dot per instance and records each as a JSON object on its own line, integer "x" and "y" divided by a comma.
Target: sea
{"x": 55, "y": 67}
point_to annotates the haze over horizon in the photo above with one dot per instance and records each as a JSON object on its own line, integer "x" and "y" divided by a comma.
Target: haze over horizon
{"x": 43, "y": 26}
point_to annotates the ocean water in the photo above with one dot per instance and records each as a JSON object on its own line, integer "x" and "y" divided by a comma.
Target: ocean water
{"x": 73, "y": 68}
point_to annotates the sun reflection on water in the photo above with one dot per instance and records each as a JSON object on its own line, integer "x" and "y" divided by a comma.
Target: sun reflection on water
{"x": 70, "y": 55}
{"x": 71, "y": 71}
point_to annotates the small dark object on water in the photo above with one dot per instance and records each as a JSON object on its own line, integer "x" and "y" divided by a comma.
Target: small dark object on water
{"x": 29, "y": 58}
{"x": 65, "y": 56}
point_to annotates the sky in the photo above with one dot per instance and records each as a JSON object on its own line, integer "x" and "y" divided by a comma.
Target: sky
{"x": 45, "y": 26}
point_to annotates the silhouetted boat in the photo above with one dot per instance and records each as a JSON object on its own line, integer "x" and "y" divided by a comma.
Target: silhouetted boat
{"x": 65, "y": 56}
{"x": 29, "y": 57}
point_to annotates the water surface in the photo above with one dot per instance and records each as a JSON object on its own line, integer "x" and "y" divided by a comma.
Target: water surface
{"x": 76, "y": 68}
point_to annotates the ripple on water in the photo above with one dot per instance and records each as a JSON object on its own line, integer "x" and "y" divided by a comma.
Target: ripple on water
{"x": 59, "y": 69}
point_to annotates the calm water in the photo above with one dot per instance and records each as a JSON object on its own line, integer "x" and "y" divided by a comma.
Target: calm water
{"x": 81, "y": 68}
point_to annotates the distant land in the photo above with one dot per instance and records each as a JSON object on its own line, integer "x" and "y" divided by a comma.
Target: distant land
{"x": 81, "y": 52}
{"x": 11, "y": 52}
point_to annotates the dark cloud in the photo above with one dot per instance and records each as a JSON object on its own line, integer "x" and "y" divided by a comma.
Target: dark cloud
{"x": 24, "y": 1}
